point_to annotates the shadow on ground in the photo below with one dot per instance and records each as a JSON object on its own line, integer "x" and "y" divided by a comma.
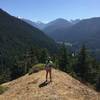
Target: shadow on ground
{"x": 43, "y": 84}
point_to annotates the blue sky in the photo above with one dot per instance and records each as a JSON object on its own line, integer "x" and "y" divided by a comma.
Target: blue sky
{"x": 47, "y": 10}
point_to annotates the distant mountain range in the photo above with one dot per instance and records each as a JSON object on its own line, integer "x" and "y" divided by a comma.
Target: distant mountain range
{"x": 76, "y": 32}
{"x": 38, "y": 24}
{"x": 85, "y": 31}
{"x": 60, "y": 22}
{"x": 54, "y": 27}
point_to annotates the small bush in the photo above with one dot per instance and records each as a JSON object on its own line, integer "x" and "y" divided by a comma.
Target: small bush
{"x": 36, "y": 68}
{"x": 3, "y": 89}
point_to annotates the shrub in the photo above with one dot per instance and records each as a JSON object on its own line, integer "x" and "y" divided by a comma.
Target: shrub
{"x": 36, "y": 68}
{"x": 3, "y": 89}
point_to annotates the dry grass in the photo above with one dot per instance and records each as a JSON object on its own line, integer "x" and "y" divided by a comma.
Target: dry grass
{"x": 63, "y": 87}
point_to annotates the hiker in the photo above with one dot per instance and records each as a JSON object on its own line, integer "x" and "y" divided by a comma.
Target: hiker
{"x": 48, "y": 68}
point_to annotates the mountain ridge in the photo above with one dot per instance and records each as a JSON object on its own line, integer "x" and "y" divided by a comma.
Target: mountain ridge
{"x": 86, "y": 31}
{"x": 63, "y": 87}
{"x": 53, "y": 27}
{"x": 38, "y": 25}
{"x": 17, "y": 29}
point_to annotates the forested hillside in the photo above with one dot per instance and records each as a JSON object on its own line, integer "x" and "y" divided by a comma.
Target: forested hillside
{"x": 17, "y": 37}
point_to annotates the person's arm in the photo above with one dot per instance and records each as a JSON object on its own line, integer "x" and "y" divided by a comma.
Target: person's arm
{"x": 46, "y": 64}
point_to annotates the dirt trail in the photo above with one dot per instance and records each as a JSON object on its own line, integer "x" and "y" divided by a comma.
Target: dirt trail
{"x": 63, "y": 87}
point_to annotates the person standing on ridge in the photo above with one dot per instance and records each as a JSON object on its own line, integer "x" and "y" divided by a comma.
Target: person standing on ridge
{"x": 48, "y": 68}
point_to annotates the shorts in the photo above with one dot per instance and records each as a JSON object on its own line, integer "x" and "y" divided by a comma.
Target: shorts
{"x": 47, "y": 68}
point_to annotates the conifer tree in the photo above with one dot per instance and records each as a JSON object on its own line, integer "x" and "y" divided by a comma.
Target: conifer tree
{"x": 98, "y": 84}
{"x": 63, "y": 58}
{"x": 43, "y": 55}
{"x": 82, "y": 66}
{"x": 33, "y": 56}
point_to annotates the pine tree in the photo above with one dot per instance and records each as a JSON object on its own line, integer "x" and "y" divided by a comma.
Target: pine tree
{"x": 33, "y": 56}
{"x": 27, "y": 61}
{"x": 43, "y": 55}
{"x": 82, "y": 67}
{"x": 98, "y": 84}
{"x": 63, "y": 58}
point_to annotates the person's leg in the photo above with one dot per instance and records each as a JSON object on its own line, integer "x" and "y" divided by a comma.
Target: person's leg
{"x": 50, "y": 72}
{"x": 46, "y": 75}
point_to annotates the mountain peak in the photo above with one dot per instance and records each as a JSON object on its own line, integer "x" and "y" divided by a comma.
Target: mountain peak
{"x": 59, "y": 21}
{"x": 1, "y": 9}
{"x": 39, "y": 22}
{"x": 63, "y": 87}
{"x": 4, "y": 13}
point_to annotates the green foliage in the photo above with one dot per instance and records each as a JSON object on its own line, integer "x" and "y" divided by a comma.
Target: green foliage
{"x": 3, "y": 89}
{"x": 63, "y": 58}
{"x": 82, "y": 67}
{"x": 30, "y": 58}
{"x": 5, "y": 75}
{"x": 43, "y": 56}
{"x": 98, "y": 84}
{"x": 36, "y": 68}
{"x": 87, "y": 68}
